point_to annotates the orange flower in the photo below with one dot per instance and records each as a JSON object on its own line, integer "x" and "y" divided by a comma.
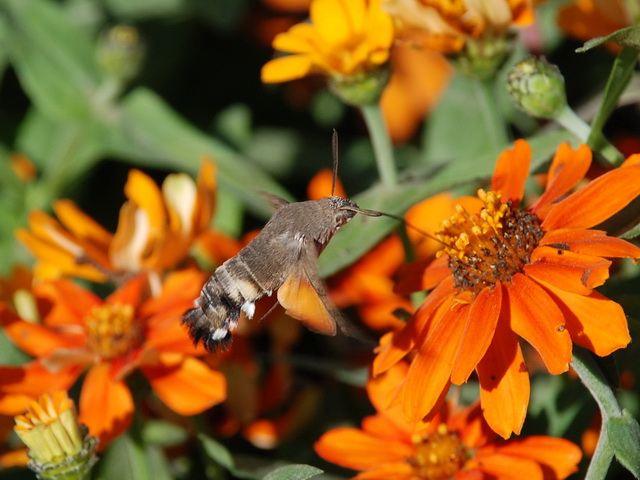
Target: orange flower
{"x": 449, "y": 24}
{"x": 110, "y": 338}
{"x": 585, "y": 19}
{"x": 344, "y": 38}
{"x": 509, "y": 273}
{"x": 155, "y": 230}
{"x": 456, "y": 444}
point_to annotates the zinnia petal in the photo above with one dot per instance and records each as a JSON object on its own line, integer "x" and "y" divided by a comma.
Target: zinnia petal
{"x": 478, "y": 332}
{"x": 185, "y": 384}
{"x": 353, "y": 448}
{"x": 283, "y": 69}
{"x": 504, "y": 383}
{"x": 599, "y": 200}
{"x": 106, "y": 404}
{"x": 593, "y": 321}
{"x": 536, "y": 318}
{"x": 430, "y": 370}
{"x": 573, "y": 272}
{"x": 36, "y": 339}
{"x": 511, "y": 172}
{"x": 591, "y": 242}
{"x": 557, "y": 454}
{"x": 506, "y": 467}
{"x": 567, "y": 169}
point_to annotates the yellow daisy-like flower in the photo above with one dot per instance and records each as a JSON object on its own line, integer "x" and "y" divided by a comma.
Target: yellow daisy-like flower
{"x": 345, "y": 38}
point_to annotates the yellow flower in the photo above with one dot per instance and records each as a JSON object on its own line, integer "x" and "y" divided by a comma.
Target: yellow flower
{"x": 344, "y": 38}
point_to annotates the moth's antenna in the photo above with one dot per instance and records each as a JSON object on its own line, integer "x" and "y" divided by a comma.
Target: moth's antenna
{"x": 334, "y": 154}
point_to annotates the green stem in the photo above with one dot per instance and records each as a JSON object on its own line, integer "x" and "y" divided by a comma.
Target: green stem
{"x": 592, "y": 377}
{"x": 382, "y": 148}
{"x": 573, "y": 123}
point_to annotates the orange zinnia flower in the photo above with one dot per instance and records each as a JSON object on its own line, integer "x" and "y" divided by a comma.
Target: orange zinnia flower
{"x": 509, "y": 273}
{"x": 155, "y": 230}
{"x": 111, "y": 338}
{"x": 344, "y": 39}
{"x": 449, "y": 24}
{"x": 456, "y": 444}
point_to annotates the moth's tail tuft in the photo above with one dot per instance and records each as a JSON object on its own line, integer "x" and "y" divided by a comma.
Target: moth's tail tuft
{"x": 202, "y": 329}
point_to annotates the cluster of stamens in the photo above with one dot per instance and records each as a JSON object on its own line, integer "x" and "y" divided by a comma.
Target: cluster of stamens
{"x": 112, "y": 330}
{"x": 490, "y": 246}
{"x": 439, "y": 454}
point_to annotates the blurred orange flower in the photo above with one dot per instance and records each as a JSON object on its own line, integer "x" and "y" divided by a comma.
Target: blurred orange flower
{"x": 456, "y": 444}
{"x": 508, "y": 273}
{"x": 110, "y": 339}
{"x": 449, "y": 24}
{"x": 156, "y": 228}
{"x": 344, "y": 38}
{"x": 586, "y": 19}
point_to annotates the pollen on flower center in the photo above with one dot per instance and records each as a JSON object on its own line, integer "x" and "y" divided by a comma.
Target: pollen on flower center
{"x": 112, "y": 330}
{"x": 439, "y": 455}
{"x": 490, "y": 246}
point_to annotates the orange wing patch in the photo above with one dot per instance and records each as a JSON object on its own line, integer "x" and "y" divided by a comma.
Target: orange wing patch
{"x": 304, "y": 301}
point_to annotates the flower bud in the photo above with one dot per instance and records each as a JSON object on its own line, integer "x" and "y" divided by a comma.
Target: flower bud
{"x": 59, "y": 447}
{"x": 120, "y": 52}
{"x": 362, "y": 88}
{"x": 537, "y": 88}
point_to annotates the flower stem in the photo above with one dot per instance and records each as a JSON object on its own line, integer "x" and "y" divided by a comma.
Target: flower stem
{"x": 573, "y": 123}
{"x": 592, "y": 377}
{"x": 382, "y": 148}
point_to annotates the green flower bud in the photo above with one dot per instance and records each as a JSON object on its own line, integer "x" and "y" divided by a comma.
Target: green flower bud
{"x": 120, "y": 52}
{"x": 537, "y": 88}
{"x": 361, "y": 89}
{"x": 483, "y": 57}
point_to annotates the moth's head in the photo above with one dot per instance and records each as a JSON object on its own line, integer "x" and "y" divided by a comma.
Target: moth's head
{"x": 344, "y": 210}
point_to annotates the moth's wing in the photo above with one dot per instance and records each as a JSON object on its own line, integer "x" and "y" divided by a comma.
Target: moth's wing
{"x": 304, "y": 296}
{"x": 275, "y": 201}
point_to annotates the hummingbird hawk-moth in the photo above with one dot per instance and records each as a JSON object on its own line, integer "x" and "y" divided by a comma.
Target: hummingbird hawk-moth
{"x": 282, "y": 257}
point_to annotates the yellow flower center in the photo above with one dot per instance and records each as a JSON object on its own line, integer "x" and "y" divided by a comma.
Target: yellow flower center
{"x": 439, "y": 455}
{"x": 112, "y": 330}
{"x": 490, "y": 246}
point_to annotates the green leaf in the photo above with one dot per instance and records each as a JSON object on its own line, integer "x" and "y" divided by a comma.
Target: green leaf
{"x": 219, "y": 454}
{"x": 157, "y": 136}
{"x": 619, "y": 78}
{"x": 52, "y": 57}
{"x": 126, "y": 459}
{"x": 362, "y": 233}
{"x": 624, "y": 435}
{"x": 467, "y": 108}
{"x": 163, "y": 433}
{"x": 293, "y": 472}
{"x": 625, "y": 37}
{"x": 144, "y": 8}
